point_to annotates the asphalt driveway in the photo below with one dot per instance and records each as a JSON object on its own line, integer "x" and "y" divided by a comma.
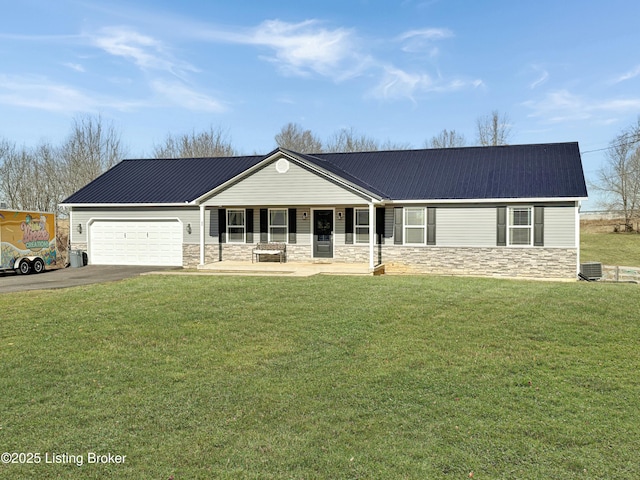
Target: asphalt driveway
{"x": 69, "y": 277}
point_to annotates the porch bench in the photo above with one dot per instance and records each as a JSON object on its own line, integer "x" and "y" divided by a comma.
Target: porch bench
{"x": 270, "y": 248}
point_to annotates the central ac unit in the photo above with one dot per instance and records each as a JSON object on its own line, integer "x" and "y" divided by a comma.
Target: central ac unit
{"x": 591, "y": 271}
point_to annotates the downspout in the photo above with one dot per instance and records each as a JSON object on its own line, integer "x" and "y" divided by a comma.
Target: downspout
{"x": 202, "y": 211}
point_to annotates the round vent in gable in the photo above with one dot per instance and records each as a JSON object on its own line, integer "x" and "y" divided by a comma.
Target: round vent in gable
{"x": 282, "y": 166}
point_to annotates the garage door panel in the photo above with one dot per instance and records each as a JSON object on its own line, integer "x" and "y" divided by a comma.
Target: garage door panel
{"x": 130, "y": 242}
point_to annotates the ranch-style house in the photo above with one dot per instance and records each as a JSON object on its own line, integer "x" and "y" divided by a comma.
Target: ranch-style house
{"x": 507, "y": 211}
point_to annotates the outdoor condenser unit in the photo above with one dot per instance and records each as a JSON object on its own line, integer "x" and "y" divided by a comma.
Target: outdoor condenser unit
{"x": 591, "y": 271}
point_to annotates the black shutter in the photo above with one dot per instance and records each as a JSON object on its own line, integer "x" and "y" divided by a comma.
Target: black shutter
{"x": 502, "y": 227}
{"x": 249, "y": 225}
{"x": 292, "y": 225}
{"x": 212, "y": 223}
{"x": 348, "y": 225}
{"x": 222, "y": 225}
{"x": 538, "y": 226}
{"x": 397, "y": 225}
{"x": 431, "y": 226}
{"x": 264, "y": 225}
{"x": 380, "y": 225}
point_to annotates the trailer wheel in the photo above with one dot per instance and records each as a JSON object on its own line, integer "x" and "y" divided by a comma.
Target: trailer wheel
{"x": 24, "y": 267}
{"x": 38, "y": 266}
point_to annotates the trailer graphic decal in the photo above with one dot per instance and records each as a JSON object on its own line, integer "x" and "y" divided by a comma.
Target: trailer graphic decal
{"x": 34, "y": 234}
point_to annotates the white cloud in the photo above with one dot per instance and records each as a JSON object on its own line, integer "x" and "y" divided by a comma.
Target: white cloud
{"x": 40, "y": 93}
{"x": 144, "y": 51}
{"x": 301, "y": 48}
{"x": 75, "y": 66}
{"x": 629, "y": 75}
{"x": 562, "y": 106}
{"x": 419, "y": 41}
{"x": 185, "y": 97}
{"x": 544, "y": 76}
{"x": 398, "y": 84}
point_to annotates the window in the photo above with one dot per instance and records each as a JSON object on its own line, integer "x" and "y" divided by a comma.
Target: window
{"x": 362, "y": 225}
{"x": 414, "y": 225}
{"x": 278, "y": 225}
{"x": 520, "y": 225}
{"x": 235, "y": 226}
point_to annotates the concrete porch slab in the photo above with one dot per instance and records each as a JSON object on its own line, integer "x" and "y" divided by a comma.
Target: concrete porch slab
{"x": 293, "y": 269}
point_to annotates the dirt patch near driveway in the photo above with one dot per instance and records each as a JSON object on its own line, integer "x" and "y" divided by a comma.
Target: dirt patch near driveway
{"x": 71, "y": 277}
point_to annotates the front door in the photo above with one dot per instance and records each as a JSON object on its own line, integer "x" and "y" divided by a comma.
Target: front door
{"x": 323, "y": 233}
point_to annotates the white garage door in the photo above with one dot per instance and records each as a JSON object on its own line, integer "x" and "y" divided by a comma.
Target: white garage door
{"x": 135, "y": 242}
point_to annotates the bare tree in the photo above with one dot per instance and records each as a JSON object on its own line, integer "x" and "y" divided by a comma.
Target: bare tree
{"x": 15, "y": 168}
{"x": 48, "y": 178}
{"x": 619, "y": 178}
{"x": 494, "y": 129}
{"x": 347, "y": 140}
{"x": 30, "y": 179}
{"x": 91, "y": 148}
{"x": 447, "y": 139}
{"x": 208, "y": 143}
{"x": 388, "y": 145}
{"x": 294, "y": 137}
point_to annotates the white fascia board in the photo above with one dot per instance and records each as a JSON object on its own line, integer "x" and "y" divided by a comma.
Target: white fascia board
{"x": 127, "y": 205}
{"x": 491, "y": 200}
{"x": 280, "y": 153}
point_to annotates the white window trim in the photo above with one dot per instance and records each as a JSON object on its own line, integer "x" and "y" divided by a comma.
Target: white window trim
{"x": 530, "y": 227}
{"x": 286, "y": 224}
{"x": 356, "y": 226}
{"x": 244, "y": 225}
{"x": 405, "y": 226}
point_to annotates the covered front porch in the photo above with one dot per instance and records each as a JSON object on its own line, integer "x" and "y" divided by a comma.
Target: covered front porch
{"x": 294, "y": 269}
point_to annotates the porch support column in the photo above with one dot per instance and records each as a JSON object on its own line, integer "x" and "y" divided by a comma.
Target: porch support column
{"x": 202, "y": 211}
{"x": 372, "y": 235}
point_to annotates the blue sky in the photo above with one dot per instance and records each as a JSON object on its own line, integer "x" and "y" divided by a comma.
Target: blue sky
{"x": 398, "y": 71}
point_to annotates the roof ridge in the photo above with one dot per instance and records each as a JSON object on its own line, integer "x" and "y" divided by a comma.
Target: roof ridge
{"x": 348, "y": 174}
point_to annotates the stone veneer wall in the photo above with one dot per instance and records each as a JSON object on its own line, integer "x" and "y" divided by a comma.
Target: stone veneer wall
{"x": 295, "y": 253}
{"x": 356, "y": 253}
{"x": 240, "y": 252}
{"x": 536, "y": 262}
{"x": 555, "y": 263}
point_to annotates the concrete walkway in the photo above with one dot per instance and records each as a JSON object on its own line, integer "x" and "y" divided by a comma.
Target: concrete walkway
{"x": 293, "y": 269}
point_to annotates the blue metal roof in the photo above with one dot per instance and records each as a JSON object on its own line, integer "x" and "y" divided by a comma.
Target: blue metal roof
{"x": 467, "y": 173}
{"x": 509, "y": 171}
{"x": 162, "y": 180}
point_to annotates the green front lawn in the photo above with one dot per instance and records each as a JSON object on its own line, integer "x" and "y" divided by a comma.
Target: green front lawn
{"x": 323, "y": 377}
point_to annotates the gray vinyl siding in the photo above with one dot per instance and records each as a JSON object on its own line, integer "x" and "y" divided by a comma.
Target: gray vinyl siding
{"x": 466, "y": 227}
{"x": 304, "y": 226}
{"x": 297, "y": 186}
{"x": 187, "y": 215}
{"x": 559, "y": 227}
{"x": 475, "y": 226}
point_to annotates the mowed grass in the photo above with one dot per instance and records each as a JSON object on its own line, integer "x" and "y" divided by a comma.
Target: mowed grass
{"x": 622, "y": 249}
{"x": 599, "y": 243}
{"x": 324, "y": 377}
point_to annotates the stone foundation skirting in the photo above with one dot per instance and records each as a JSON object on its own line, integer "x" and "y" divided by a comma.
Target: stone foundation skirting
{"x": 551, "y": 263}
{"x": 554, "y": 263}
{"x": 295, "y": 253}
